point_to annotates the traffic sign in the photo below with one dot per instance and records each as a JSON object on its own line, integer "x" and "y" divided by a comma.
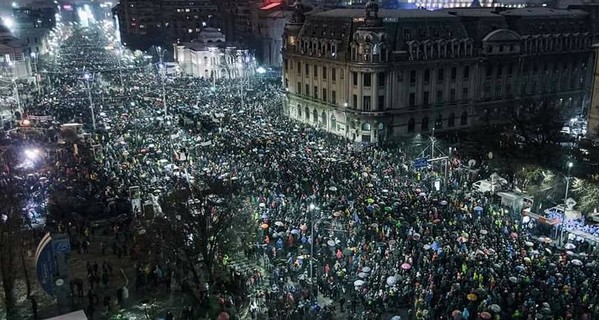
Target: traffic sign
{"x": 420, "y": 163}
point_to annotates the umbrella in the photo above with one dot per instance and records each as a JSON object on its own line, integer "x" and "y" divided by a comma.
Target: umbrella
{"x": 264, "y": 216}
{"x": 362, "y": 275}
{"x": 388, "y": 209}
{"x": 385, "y": 190}
{"x": 406, "y": 266}
{"x": 396, "y": 318}
{"x": 495, "y": 308}
{"x": 331, "y": 243}
{"x": 337, "y": 213}
{"x": 391, "y": 280}
{"x": 333, "y": 188}
{"x": 358, "y": 283}
{"x": 262, "y": 205}
{"x": 416, "y": 236}
{"x": 527, "y": 259}
{"x": 483, "y": 232}
{"x": 443, "y": 202}
{"x": 370, "y": 201}
{"x": 478, "y": 208}
{"x": 223, "y": 316}
{"x": 366, "y": 269}
{"x": 485, "y": 315}
{"x": 279, "y": 224}
{"x": 576, "y": 262}
{"x": 426, "y": 246}
{"x": 422, "y": 194}
{"x": 294, "y": 231}
{"x": 369, "y": 185}
{"x": 569, "y": 246}
{"x": 529, "y": 243}
{"x": 570, "y": 253}
{"x": 471, "y": 297}
{"x": 548, "y": 251}
{"x": 513, "y": 279}
{"x": 264, "y": 226}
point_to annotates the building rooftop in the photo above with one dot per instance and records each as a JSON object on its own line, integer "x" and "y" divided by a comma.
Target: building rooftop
{"x": 384, "y": 13}
{"x": 544, "y": 12}
{"x": 472, "y": 12}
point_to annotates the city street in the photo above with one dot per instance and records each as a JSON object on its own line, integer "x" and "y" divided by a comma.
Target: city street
{"x": 199, "y": 199}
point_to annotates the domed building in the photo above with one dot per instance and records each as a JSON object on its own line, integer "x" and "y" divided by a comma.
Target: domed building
{"x": 211, "y": 56}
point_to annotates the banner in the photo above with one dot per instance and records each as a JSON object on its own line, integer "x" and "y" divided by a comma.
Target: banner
{"x": 39, "y": 118}
{"x": 45, "y": 264}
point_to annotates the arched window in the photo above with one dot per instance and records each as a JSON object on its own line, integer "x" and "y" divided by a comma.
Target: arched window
{"x": 451, "y": 120}
{"x": 411, "y": 125}
{"x": 333, "y": 123}
{"x": 307, "y": 114}
{"x": 365, "y": 126}
{"x": 299, "y": 111}
{"x": 464, "y": 119}
{"x": 323, "y": 117}
{"x": 424, "y": 124}
{"x": 439, "y": 122}
{"x": 315, "y": 116}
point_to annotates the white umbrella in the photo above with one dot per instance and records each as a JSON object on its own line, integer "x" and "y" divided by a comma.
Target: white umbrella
{"x": 279, "y": 224}
{"x": 262, "y": 205}
{"x": 358, "y": 283}
{"x": 333, "y": 188}
{"x": 529, "y": 244}
{"x": 391, "y": 280}
{"x": 576, "y": 262}
{"x": 570, "y": 246}
{"x": 484, "y": 232}
{"x": 362, "y": 275}
{"x": 495, "y": 308}
{"x": 366, "y": 269}
{"x": 331, "y": 243}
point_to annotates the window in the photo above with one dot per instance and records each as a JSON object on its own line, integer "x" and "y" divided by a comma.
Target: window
{"x": 424, "y": 124}
{"x": 453, "y": 73}
{"x": 499, "y": 71}
{"x": 466, "y": 72}
{"x": 367, "y": 80}
{"x": 440, "y": 75}
{"x": 334, "y": 74}
{"x": 498, "y": 91}
{"x": 412, "y": 100}
{"x": 286, "y": 65}
{"x": 489, "y": 71}
{"x": 411, "y": 125}
{"x": 315, "y": 92}
{"x": 464, "y": 93}
{"x": 407, "y": 34}
{"x": 354, "y": 78}
{"x": 452, "y": 95}
{"x": 315, "y": 71}
{"x": 464, "y": 119}
{"x": 439, "y": 122}
{"x": 307, "y": 69}
{"x": 439, "y": 97}
{"x": 355, "y": 105}
{"x": 366, "y": 103}
{"x": 381, "y": 103}
{"x": 425, "y": 98}
{"x": 427, "y": 76}
{"x": 381, "y": 79}
{"x": 324, "y": 94}
{"x": 299, "y": 68}
{"x": 333, "y": 97}
{"x": 307, "y": 90}
{"x": 299, "y": 88}
{"x": 451, "y": 120}
{"x": 324, "y": 72}
{"x": 413, "y": 78}
{"x": 510, "y": 70}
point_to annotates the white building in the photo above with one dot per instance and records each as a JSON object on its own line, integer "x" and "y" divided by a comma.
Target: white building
{"x": 211, "y": 56}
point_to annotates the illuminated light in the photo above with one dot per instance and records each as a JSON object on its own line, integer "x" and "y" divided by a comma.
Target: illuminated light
{"x": 261, "y": 70}
{"x": 8, "y": 22}
{"x": 32, "y": 154}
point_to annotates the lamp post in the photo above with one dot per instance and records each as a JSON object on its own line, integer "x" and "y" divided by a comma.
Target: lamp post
{"x": 87, "y": 78}
{"x": 568, "y": 177}
{"x": 162, "y": 70}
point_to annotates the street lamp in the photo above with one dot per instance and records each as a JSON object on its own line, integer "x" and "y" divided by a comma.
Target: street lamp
{"x": 87, "y": 78}
{"x": 570, "y": 165}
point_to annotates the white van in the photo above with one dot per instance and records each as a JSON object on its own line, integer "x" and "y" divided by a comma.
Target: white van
{"x": 483, "y": 186}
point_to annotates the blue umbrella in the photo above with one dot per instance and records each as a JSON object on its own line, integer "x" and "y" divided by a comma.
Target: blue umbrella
{"x": 478, "y": 208}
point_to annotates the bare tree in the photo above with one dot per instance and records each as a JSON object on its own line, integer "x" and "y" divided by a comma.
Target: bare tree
{"x": 199, "y": 227}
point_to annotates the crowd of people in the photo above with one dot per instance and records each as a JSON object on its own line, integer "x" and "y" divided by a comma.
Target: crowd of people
{"x": 343, "y": 230}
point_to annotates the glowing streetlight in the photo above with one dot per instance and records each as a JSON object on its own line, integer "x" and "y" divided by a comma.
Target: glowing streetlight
{"x": 261, "y": 70}
{"x": 8, "y": 22}
{"x": 32, "y": 154}
{"x": 569, "y": 165}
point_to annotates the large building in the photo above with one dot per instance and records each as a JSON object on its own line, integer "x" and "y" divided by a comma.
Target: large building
{"x": 143, "y": 23}
{"x": 211, "y": 56}
{"x": 370, "y": 74}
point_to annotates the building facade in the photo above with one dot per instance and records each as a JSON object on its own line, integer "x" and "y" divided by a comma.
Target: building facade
{"x": 370, "y": 74}
{"x": 210, "y": 56}
{"x": 143, "y": 23}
